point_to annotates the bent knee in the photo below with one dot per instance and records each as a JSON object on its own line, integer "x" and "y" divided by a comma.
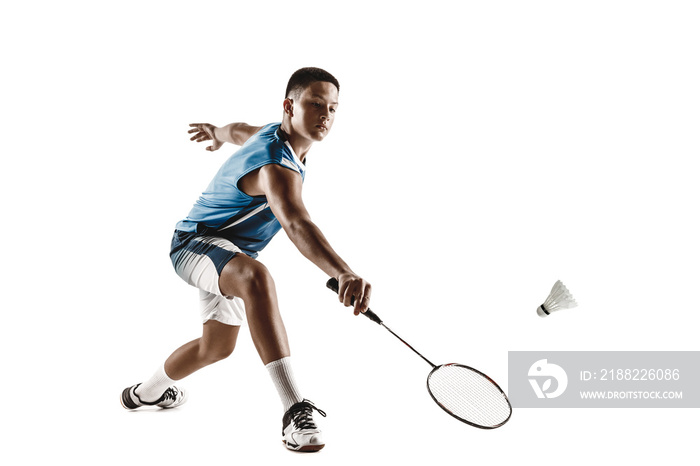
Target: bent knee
{"x": 258, "y": 280}
{"x": 248, "y": 280}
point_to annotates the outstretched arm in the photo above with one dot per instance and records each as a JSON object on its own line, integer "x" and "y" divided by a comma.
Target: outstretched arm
{"x": 234, "y": 133}
{"x": 282, "y": 187}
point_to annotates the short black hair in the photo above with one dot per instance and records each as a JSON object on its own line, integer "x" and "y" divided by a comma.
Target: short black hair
{"x": 304, "y": 77}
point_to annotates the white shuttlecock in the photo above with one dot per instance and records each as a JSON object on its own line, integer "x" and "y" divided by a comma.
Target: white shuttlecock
{"x": 559, "y": 298}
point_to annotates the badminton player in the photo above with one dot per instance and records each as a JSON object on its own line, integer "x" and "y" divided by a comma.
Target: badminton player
{"x": 255, "y": 193}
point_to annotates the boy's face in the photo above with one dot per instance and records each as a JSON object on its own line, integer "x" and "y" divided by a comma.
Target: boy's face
{"x": 313, "y": 111}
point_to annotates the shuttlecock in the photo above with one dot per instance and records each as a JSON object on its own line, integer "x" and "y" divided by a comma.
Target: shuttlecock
{"x": 559, "y": 298}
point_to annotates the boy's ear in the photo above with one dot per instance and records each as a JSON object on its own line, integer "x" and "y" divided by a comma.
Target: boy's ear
{"x": 288, "y": 107}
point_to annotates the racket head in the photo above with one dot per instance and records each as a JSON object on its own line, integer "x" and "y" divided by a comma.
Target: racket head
{"x": 469, "y": 395}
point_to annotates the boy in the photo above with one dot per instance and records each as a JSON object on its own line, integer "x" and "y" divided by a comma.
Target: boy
{"x": 256, "y": 192}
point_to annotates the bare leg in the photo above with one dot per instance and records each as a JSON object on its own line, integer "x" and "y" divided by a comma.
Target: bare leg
{"x": 251, "y": 281}
{"x": 216, "y": 343}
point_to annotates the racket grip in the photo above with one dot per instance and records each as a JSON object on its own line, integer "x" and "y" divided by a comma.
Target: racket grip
{"x": 332, "y": 284}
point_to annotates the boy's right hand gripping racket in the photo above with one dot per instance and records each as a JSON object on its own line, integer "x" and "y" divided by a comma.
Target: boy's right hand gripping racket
{"x": 463, "y": 392}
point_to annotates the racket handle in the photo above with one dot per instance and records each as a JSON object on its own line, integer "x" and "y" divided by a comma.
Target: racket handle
{"x": 332, "y": 284}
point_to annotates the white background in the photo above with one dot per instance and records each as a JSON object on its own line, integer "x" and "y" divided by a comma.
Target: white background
{"x": 482, "y": 150}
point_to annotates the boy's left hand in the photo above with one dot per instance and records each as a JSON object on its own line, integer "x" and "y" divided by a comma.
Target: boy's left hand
{"x": 205, "y": 132}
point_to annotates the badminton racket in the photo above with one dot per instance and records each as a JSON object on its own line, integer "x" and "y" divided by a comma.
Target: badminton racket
{"x": 462, "y": 391}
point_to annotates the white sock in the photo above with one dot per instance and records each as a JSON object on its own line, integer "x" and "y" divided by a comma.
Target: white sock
{"x": 152, "y": 389}
{"x": 283, "y": 378}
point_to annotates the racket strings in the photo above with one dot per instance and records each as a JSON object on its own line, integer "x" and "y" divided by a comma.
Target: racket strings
{"x": 469, "y": 395}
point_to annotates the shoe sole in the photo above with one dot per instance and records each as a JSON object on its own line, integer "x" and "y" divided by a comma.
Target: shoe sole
{"x": 306, "y": 449}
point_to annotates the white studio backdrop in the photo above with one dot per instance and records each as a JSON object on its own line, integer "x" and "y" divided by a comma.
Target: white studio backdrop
{"x": 481, "y": 151}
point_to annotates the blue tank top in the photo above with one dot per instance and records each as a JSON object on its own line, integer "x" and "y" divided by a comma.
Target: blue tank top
{"x": 223, "y": 210}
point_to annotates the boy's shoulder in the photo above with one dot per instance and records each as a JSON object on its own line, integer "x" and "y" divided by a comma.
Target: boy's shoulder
{"x": 267, "y": 139}
{"x": 269, "y": 145}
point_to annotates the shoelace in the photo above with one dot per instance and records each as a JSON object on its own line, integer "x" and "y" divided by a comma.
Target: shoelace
{"x": 170, "y": 394}
{"x": 301, "y": 414}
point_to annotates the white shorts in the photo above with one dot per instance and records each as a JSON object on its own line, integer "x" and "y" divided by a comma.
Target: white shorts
{"x": 199, "y": 261}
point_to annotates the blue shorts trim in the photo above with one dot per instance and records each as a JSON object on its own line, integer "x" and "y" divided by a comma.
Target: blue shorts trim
{"x": 186, "y": 242}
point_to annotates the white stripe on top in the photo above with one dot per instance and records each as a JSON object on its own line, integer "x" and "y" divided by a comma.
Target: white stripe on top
{"x": 247, "y": 216}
